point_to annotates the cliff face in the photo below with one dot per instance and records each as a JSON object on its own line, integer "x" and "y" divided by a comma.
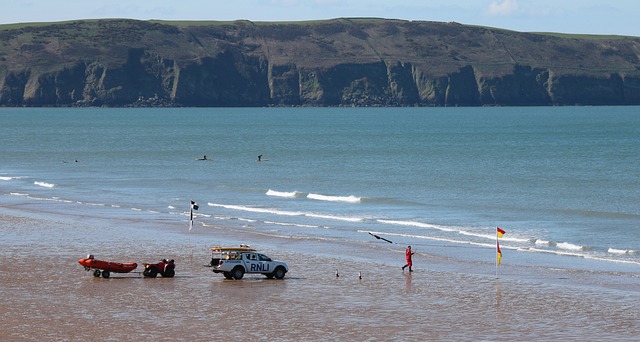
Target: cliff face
{"x": 330, "y": 63}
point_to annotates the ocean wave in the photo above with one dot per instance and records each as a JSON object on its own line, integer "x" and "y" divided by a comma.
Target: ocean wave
{"x": 622, "y": 251}
{"x": 18, "y": 194}
{"x": 570, "y": 246}
{"x": 43, "y": 184}
{"x": 292, "y": 224}
{"x": 8, "y": 178}
{"x": 256, "y": 210}
{"x": 601, "y": 213}
{"x": 291, "y": 194}
{"x": 451, "y": 229}
{"x": 285, "y": 213}
{"x": 334, "y": 217}
{"x": 549, "y": 251}
{"x": 418, "y": 224}
{"x": 492, "y": 236}
{"x": 579, "y": 253}
{"x": 617, "y": 251}
{"x": 95, "y": 204}
{"x": 433, "y": 238}
{"x": 348, "y": 199}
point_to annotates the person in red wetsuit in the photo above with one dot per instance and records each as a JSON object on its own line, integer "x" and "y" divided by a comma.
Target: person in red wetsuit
{"x": 408, "y": 254}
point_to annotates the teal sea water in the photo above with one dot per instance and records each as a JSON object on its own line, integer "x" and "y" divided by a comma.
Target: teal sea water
{"x": 562, "y": 182}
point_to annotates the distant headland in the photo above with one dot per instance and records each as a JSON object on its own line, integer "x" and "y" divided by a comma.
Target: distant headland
{"x": 338, "y": 62}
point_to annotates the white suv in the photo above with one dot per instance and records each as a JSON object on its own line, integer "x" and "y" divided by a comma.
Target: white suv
{"x": 240, "y": 263}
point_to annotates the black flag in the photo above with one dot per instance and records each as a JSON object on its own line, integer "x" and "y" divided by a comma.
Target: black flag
{"x": 194, "y": 206}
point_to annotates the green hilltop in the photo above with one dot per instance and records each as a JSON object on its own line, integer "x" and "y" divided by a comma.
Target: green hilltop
{"x": 338, "y": 62}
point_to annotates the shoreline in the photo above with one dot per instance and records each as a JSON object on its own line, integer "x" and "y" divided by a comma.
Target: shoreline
{"x": 517, "y": 265}
{"x": 51, "y": 297}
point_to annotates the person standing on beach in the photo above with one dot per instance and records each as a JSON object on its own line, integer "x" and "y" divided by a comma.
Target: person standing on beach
{"x": 408, "y": 254}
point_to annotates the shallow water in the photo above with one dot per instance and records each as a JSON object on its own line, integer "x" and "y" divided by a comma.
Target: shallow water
{"x": 49, "y": 296}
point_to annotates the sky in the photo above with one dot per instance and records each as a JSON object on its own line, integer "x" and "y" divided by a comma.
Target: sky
{"x": 566, "y": 16}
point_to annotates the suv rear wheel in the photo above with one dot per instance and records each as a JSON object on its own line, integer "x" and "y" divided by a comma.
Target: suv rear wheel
{"x": 237, "y": 273}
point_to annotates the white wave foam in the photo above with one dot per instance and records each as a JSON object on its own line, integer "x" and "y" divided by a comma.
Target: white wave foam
{"x": 291, "y": 224}
{"x": 556, "y": 252}
{"x": 424, "y": 237}
{"x": 542, "y": 242}
{"x": 569, "y": 246}
{"x": 619, "y": 251}
{"x": 18, "y": 194}
{"x": 285, "y": 213}
{"x": 43, "y": 184}
{"x": 256, "y": 210}
{"x": 339, "y": 218}
{"x": 418, "y": 224}
{"x": 291, "y": 194}
{"x": 577, "y": 253}
{"x": 171, "y": 207}
{"x": 349, "y": 199}
{"x": 581, "y": 255}
{"x": 492, "y": 236}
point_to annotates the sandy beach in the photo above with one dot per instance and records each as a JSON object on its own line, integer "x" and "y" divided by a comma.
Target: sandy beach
{"x": 48, "y": 295}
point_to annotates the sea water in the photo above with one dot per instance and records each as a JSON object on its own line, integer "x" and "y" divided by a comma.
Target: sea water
{"x": 563, "y": 182}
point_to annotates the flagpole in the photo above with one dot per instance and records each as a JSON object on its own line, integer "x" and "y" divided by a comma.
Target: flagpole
{"x": 190, "y": 226}
{"x": 192, "y": 207}
{"x": 497, "y": 253}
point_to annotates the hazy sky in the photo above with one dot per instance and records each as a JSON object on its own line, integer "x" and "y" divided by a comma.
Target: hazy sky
{"x": 568, "y": 16}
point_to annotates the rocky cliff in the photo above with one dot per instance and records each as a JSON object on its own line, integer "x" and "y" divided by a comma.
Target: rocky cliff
{"x": 341, "y": 62}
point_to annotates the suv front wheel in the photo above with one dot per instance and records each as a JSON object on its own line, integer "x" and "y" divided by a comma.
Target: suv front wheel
{"x": 279, "y": 272}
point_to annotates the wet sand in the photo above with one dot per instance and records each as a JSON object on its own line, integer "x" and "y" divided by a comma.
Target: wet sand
{"x": 47, "y": 296}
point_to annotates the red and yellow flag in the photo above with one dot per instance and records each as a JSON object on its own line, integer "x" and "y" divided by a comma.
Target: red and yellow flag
{"x": 499, "y": 233}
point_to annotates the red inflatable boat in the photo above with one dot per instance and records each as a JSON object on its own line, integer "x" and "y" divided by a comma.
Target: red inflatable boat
{"x": 104, "y": 268}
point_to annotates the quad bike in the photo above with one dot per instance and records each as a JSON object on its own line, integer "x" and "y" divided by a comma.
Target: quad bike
{"x": 165, "y": 268}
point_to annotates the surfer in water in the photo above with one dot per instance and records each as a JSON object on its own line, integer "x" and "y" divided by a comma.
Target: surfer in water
{"x": 204, "y": 157}
{"x": 408, "y": 254}
{"x": 260, "y": 158}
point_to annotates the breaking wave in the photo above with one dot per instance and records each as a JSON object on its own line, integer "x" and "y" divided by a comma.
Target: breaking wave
{"x": 291, "y": 194}
{"x": 44, "y": 185}
{"x": 285, "y": 212}
{"x": 348, "y": 199}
